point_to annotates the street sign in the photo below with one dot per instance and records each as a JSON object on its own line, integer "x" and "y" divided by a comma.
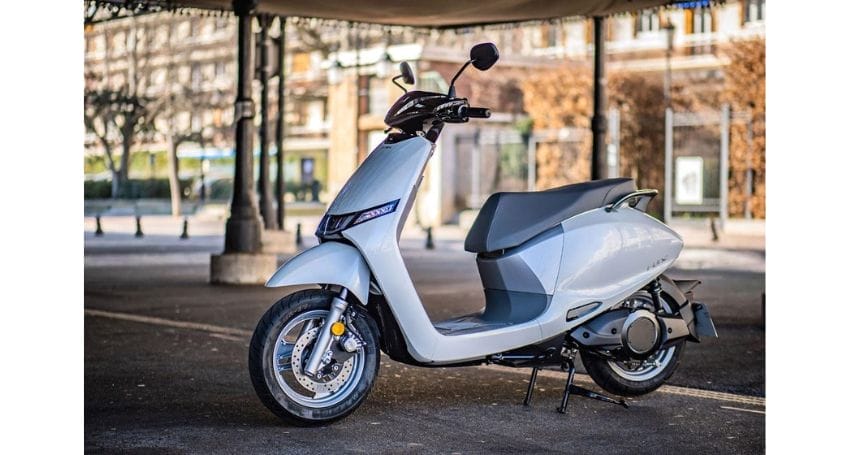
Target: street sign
{"x": 689, "y": 172}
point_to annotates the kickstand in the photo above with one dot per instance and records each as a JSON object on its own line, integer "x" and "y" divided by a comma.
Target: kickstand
{"x": 569, "y": 366}
{"x": 531, "y": 383}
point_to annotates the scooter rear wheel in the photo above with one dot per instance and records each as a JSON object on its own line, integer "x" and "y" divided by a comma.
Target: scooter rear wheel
{"x": 637, "y": 377}
{"x": 281, "y": 345}
{"x": 618, "y": 379}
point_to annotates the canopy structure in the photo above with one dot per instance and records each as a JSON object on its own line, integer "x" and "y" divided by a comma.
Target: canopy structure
{"x": 417, "y": 13}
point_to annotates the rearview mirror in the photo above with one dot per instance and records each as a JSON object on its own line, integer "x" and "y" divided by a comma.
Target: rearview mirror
{"x": 407, "y": 73}
{"x": 484, "y": 56}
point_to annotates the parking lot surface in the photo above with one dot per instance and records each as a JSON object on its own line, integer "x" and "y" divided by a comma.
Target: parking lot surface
{"x": 166, "y": 368}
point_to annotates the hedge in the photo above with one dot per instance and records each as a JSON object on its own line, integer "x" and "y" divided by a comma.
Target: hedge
{"x": 134, "y": 189}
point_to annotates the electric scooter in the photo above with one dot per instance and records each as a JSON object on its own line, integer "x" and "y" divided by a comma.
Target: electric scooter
{"x": 575, "y": 269}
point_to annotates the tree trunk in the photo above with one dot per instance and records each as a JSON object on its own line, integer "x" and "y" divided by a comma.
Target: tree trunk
{"x": 116, "y": 184}
{"x": 110, "y": 161}
{"x": 124, "y": 171}
{"x": 173, "y": 177}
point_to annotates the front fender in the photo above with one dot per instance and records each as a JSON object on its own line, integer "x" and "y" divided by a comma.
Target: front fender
{"x": 327, "y": 263}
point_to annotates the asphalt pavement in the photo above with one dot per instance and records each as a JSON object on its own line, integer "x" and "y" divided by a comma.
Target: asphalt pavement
{"x": 166, "y": 367}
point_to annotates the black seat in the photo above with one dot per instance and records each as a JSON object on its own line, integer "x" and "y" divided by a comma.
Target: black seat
{"x": 509, "y": 219}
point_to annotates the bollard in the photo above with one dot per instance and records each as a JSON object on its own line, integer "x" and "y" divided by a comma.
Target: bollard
{"x": 185, "y": 234}
{"x": 99, "y": 231}
{"x": 714, "y": 236}
{"x": 139, "y": 226}
{"x": 429, "y": 239}
{"x": 298, "y": 241}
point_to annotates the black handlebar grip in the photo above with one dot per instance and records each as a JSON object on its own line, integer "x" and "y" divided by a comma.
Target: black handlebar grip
{"x": 478, "y": 112}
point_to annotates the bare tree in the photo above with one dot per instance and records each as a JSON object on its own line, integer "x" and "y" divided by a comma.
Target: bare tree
{"x": 124, "y": 113}
{"x": 183, "y": 100}
{"x": 111, "y": 113}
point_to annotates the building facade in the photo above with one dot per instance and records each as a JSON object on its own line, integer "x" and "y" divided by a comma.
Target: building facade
{"x": 338, "y": 84}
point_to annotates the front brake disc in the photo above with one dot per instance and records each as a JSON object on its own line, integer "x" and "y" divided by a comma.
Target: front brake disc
{"x": 328, "y": 383}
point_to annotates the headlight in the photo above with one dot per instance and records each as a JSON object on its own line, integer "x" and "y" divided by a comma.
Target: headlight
{"x": 334, "y": 224}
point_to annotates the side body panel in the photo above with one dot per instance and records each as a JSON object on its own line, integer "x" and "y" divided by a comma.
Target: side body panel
{"x": 607, "y": 256}
{"x": 526, "y": 268}
{"x": 321, "y": 265}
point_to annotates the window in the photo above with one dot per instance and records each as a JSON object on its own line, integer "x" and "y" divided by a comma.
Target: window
{"x": 158, "y": 77}
{"x": 378, "y": 96}
{"x": 315, "y": 114}
{"x": 183, "y": 30}
{"x": 301, "y": 62}
{"x": 701, "y": 21}
{"x": 753, "y": 10}
{"x": 432, "y": 81}
{"x": 217, "y": 117}
{"x": 647, "y": 21}
{"x": 219, "y": 69}
{"x": 374, "y": 139}
{"x": 547, "y": 36}
{"x": 620, "y": 29}
{"x": 184, "y": 74}
{"x": 197, "y": 77}
{"x": 220, "y": 24}
{"x": 119, "y": 42}
{"x": 161, "y": 37}
{"x": 195, "y": 121}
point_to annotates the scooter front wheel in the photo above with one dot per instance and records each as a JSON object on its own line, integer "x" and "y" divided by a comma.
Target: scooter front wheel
{"x": 282, "y": 343}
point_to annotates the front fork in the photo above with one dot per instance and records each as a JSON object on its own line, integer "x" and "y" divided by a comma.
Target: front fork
{"x": 323, "y": 343}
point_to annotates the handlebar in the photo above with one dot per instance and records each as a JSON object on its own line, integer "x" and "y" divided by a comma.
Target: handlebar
{"x": 475, "y": 112}
{"x": 461, "y": 112}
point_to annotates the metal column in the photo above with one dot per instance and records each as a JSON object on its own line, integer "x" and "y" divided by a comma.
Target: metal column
{"x": 532, "y": 162}
{"x": 280, "y": 184}
{"x": 598, "y": 123}
{"x": 242, "y": 231}
{"x": 748, "y": 189}
{"x": 475, "y": 169}
{"x": 264, "y": 184}
{"x": 668, "y": 165}
{"x": 612, "y": 160}
{"x": 724, "y": 165}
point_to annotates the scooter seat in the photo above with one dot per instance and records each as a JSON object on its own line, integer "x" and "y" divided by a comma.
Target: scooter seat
{"x": 509, "y": 219}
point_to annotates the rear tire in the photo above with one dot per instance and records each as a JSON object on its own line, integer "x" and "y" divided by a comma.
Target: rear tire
{"x": 264, "y": 370}
{"x": 620, "y": 379}
{"x": 609, "y": 378}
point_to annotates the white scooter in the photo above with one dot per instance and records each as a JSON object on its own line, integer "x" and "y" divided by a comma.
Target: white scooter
{"x": 572, "y": 269}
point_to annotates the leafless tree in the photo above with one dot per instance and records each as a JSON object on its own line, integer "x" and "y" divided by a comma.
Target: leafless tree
{"x": 125, "y": 113}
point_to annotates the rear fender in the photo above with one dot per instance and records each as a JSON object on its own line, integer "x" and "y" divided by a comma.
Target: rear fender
{"x": 327, "y": 263}
{"x": 694, "y": 314}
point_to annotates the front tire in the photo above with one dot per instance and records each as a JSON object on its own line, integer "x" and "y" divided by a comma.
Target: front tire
{"x": 284, "y": 336}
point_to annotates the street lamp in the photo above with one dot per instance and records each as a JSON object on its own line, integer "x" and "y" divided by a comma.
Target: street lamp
{"x": 670, "y": 32}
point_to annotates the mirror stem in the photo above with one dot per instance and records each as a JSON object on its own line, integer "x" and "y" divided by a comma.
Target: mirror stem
{"x": 395, "y": 81}
{"x": 451, "y": 93}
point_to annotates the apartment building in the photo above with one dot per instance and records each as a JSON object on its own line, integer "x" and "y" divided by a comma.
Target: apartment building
{"x": 338, "y": 79}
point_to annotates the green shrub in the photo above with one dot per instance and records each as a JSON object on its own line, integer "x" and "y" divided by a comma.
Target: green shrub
{"x": 134, "y": 189}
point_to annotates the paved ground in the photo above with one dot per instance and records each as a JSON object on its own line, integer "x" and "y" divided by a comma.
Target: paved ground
{"x": 173, "y": 378}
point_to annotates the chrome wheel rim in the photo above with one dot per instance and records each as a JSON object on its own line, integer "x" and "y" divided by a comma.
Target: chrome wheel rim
{"x": 643, "y": 370}
{"x": 292, "y": 349}
{"x": 646, "y": 369}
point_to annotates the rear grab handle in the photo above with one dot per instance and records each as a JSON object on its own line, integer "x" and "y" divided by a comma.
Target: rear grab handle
{"x": 643, "y": 196}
